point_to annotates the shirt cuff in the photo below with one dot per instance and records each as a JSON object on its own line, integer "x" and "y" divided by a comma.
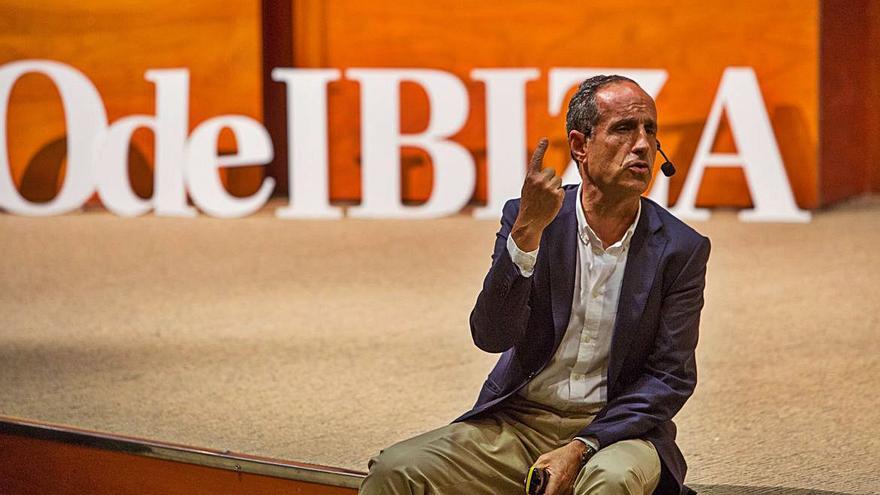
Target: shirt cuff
{"x": 590, "y": 442}
{"x": 523, "y": 260}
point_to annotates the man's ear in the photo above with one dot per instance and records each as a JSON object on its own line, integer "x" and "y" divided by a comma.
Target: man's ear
{"x": 577, "y": 145}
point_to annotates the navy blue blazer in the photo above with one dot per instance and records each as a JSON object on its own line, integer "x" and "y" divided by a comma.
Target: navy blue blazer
{"x": 652, "y": 369}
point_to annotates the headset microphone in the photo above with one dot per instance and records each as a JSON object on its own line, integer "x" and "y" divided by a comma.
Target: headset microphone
{"x": 667, "y": 168}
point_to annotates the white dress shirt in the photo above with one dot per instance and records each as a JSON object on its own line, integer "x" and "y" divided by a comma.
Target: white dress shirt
{"x": 576, "y": 376}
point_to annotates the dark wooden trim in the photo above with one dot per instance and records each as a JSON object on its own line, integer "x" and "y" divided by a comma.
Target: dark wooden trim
{"x": 241, "y": 463}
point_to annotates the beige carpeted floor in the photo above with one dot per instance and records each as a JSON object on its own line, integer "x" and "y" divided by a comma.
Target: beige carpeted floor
{"x": 325, "y": 341}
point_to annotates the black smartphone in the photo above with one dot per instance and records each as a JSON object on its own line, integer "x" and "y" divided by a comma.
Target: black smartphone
{"x": 536, "y": 481}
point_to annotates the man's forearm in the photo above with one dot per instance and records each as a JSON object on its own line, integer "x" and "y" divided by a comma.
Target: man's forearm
{"x": 637, "y": 411}
{"x": 501, "y": 313}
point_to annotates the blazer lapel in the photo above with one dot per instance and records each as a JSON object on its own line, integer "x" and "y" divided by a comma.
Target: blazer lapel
{"x": 562, "y": 259}
{"x": 645, "y": 252}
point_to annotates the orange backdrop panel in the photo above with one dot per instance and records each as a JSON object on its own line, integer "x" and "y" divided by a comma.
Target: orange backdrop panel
{"x": 693, "y": 40}
{"x": 113, "y": 42}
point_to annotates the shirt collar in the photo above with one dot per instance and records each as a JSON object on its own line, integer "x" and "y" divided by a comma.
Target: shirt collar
{"x": 589, "y": 237}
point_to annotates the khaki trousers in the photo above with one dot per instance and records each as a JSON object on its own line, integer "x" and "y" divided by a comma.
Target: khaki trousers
{"x": 491, "y": 455}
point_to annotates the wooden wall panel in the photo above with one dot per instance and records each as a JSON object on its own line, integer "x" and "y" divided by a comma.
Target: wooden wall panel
{"x": 694, "y": 40}
{"x": 873, "y": 129}
{"x": 113, "y": 43}
{"x": 848, "y": 109}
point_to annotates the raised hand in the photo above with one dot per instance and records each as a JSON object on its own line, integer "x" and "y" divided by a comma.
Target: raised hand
{"x": 542, "y": 197}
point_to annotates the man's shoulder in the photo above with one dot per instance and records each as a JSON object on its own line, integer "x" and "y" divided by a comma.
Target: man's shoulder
{"x": 675, "y": 228}
{"x": 678, "y": 231}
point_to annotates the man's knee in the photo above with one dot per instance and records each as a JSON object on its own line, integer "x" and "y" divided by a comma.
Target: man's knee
{"x": 389, "y": 472}
{"x": 610, "y": 479}
{"x": 455, "y": 459}
{"x": 631, "y": 468}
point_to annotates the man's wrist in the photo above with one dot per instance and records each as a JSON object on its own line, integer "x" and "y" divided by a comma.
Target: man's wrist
{"x": 586, "y": 448}
{"x": 526, "y": 237}
{"x": 524, "y": 261}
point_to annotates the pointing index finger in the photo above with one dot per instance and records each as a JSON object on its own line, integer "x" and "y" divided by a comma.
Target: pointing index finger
{"x": 535, "y": 164}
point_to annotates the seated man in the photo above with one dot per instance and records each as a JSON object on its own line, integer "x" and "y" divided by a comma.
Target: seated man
{"x": 594, "y": 300}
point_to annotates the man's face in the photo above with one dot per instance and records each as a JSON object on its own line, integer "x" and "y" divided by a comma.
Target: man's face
{"x": 620, "y": 152}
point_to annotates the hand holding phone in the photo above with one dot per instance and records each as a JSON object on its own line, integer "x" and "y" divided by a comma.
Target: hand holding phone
{"x": 536, "y": 481}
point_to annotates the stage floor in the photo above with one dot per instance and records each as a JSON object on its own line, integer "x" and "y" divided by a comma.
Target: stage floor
{"x": 323, "y": 342}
